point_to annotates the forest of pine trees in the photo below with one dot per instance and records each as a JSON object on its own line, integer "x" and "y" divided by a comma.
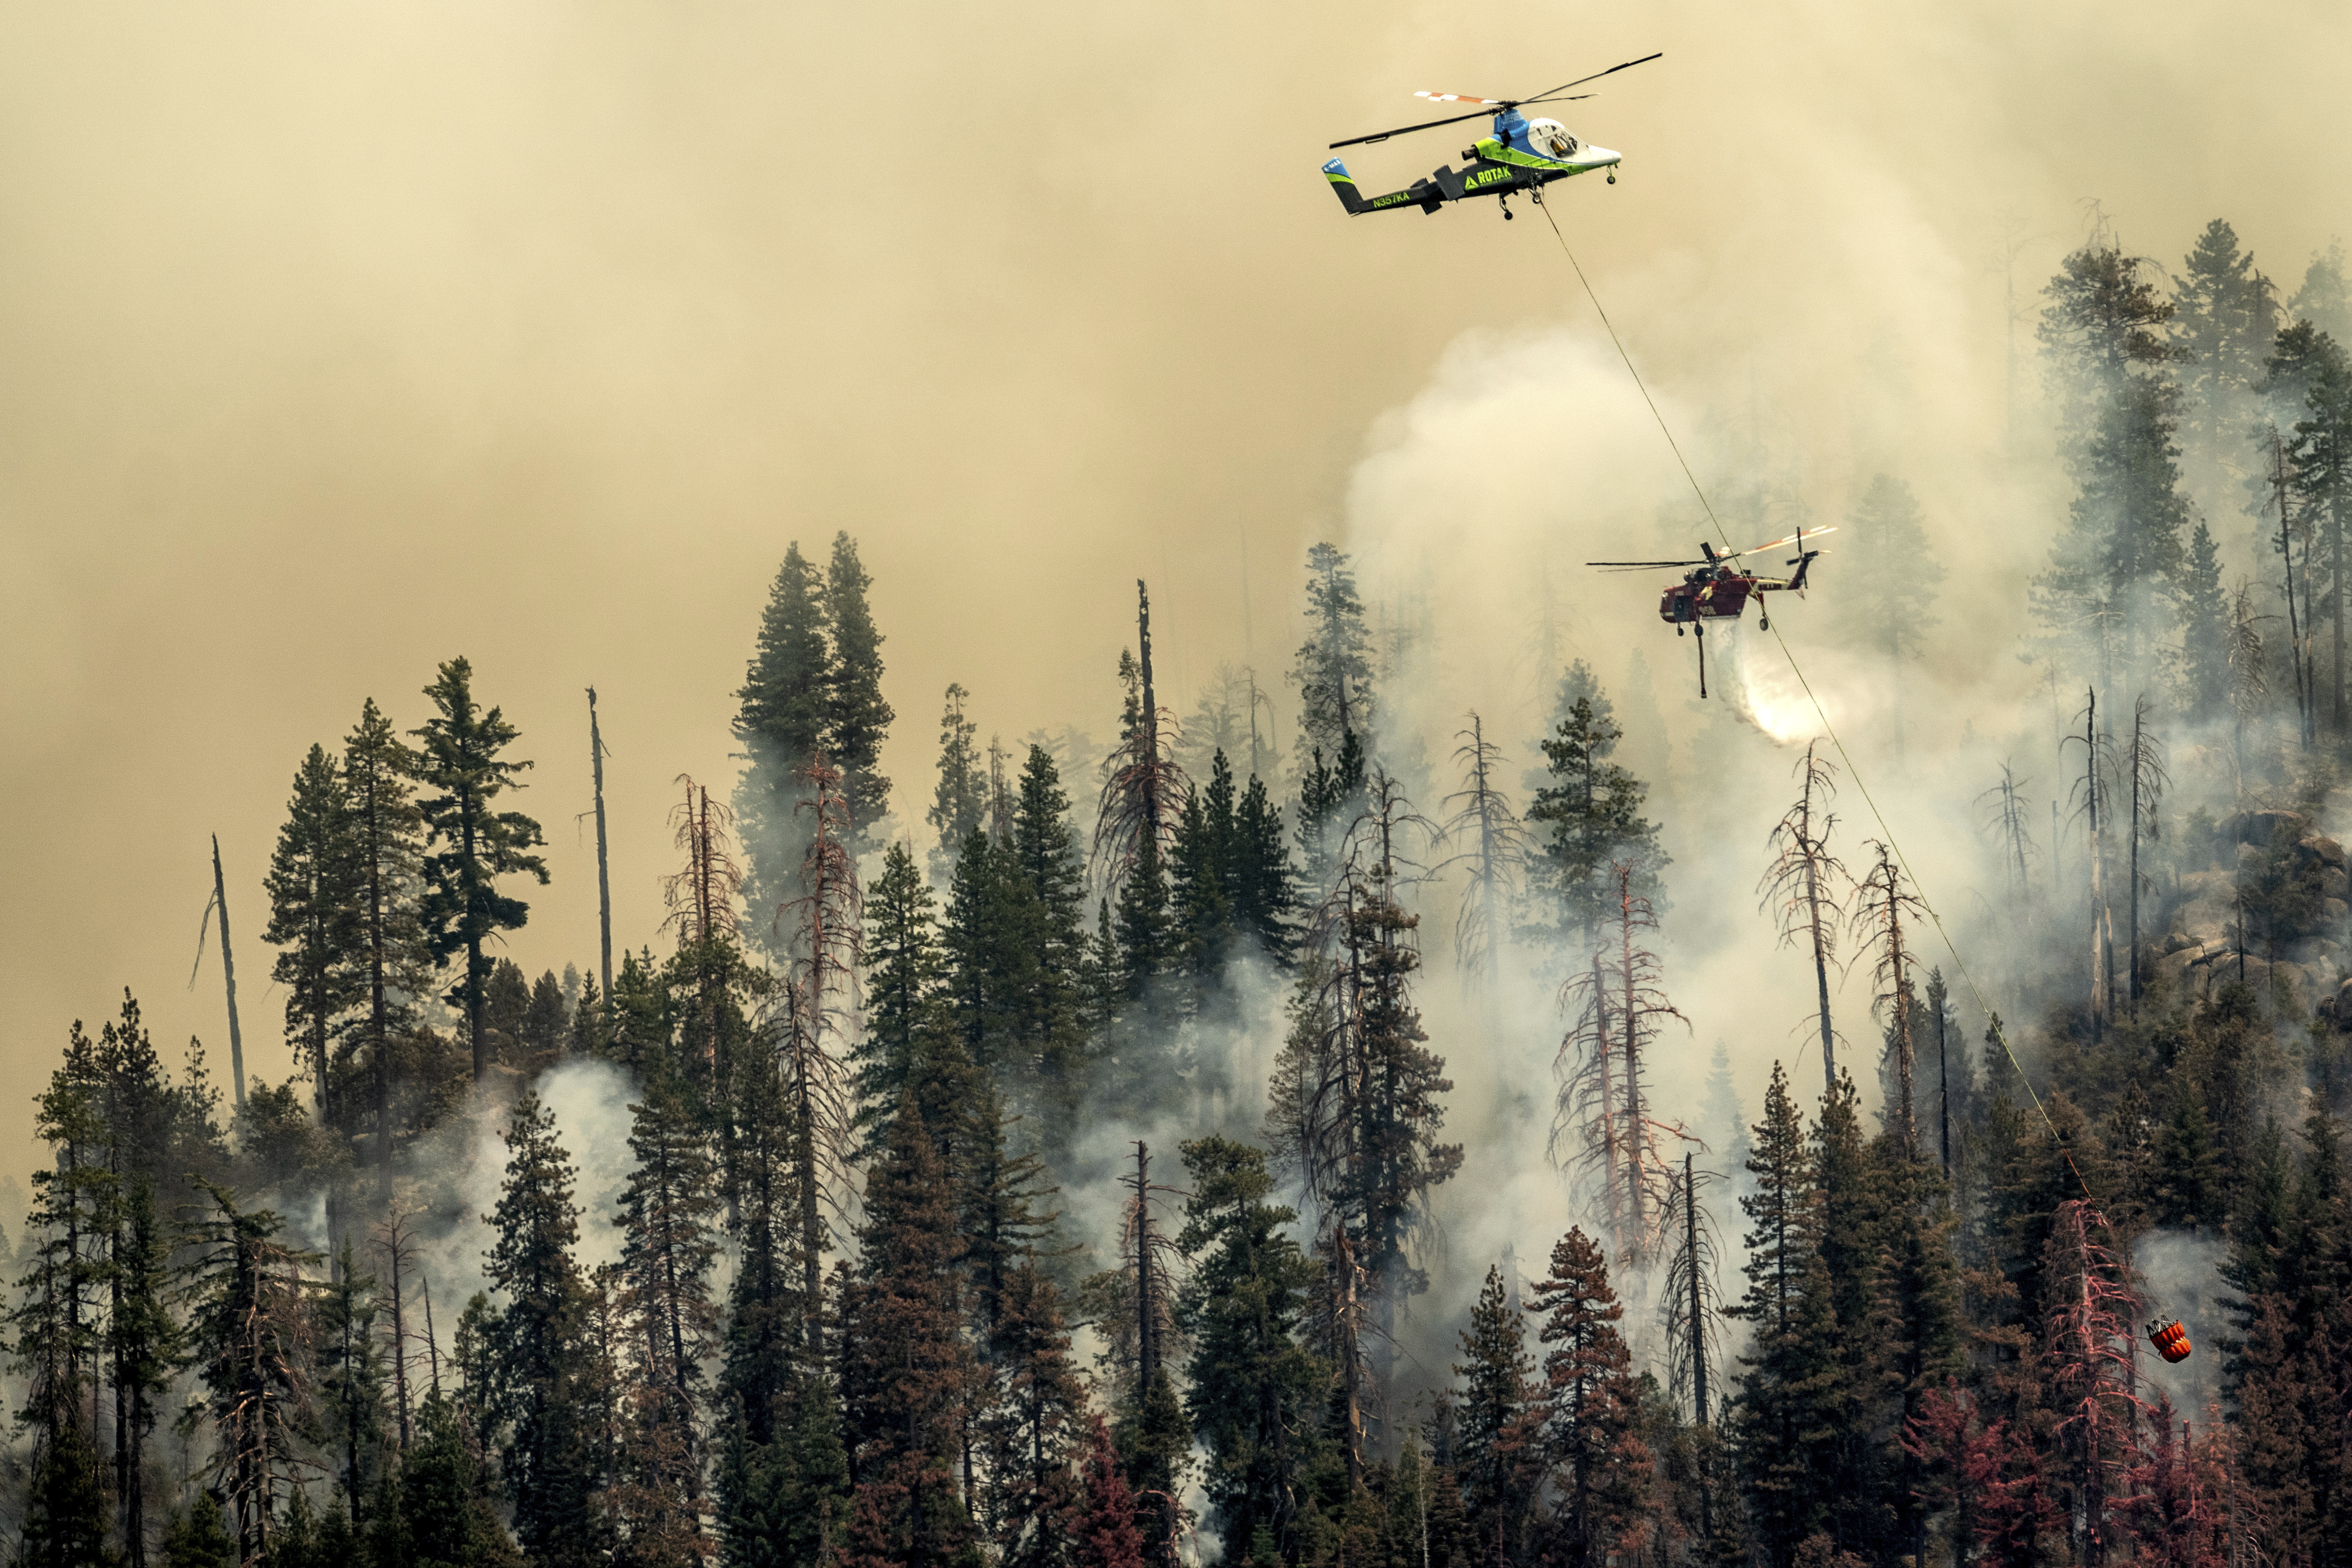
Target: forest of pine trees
{"x": 957, "y": 1229}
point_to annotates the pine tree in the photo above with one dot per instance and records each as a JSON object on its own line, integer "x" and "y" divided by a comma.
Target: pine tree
{"x": 856, "y": 718}
{"x": 903, "y": 972}
{"x": 196, "y": 1539}
{"x": 1333, "y": 670}
{"x": 907, "y": 1373}
{"x": 1605, "y": 1120}
{"x": 2226, "y": 312}
{"x": 1495, "y": 855}
{"x": 2088, "y": 1363}
{"x": 1042, "y": 867}
{"x": 979, "y": 943}
{"x": 820, "y": 998}
{"x": 459, "y": 759}
{"x": 2104, "y": 334}
{"x": 1591, "y": 811}
{"x": 1357, "y": 1104}
{"x": 350, "y": 1385}
{"x": 1805, "y": 881}
{"x": 1497, "y": 1420}
{"x": 1892, "y": 539}
{"x": 312, "y": 915}
{"x": 145, "y": 1338}
{"x": 441, "y": 1507}
{"x": 2324, "y": 299}
{"x": 1852, "y": 1182}
{"x": 1199, "y": 861}
{"x": 781, "y": 722}
{"x": 1785, "y": 1417}
{"x": 960, "y": 802}
{"x": 1035, "y": 1410}
{"x": 387, "y": 867}
{"x": 2204, "y": 609}
{"x": 1590, "y": 1409}
{"x": 1255, "y": 1391}
{"x": 667, "y": 1252}
{"x": 1883, "y": 907}
{"x": 1102, "y": 1529}
{"x": 2310, "y": 367}
{"x": 531, "y": 1344}
{"x": 56, "y": 1347}
{"x": 252, "y": 1334}
{"x": 1331, "y": 796}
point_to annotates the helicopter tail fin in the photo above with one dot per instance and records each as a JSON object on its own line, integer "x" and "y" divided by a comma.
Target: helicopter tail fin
{"x": 1345, "y": 184}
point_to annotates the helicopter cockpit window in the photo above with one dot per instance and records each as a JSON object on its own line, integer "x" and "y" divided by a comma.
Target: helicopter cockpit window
{"x": 1551, "y": 138}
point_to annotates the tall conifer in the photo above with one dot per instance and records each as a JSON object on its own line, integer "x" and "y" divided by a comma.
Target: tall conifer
{"x": 460, "y": 760}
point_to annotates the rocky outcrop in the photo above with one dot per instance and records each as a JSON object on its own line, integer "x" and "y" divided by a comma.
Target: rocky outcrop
{"x": 2295, "y": 954}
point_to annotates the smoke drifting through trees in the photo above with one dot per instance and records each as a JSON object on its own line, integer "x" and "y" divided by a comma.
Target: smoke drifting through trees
{"x": 1931, "y": 1337}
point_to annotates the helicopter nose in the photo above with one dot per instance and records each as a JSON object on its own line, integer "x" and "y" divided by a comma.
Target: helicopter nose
{"x": 1600, "y": 156}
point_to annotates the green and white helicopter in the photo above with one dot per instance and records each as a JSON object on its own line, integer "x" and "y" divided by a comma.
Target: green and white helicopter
{"x": 1522, "y": 154}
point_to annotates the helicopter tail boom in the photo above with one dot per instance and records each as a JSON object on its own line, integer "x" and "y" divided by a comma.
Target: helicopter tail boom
{"x": 1344, "y": 184}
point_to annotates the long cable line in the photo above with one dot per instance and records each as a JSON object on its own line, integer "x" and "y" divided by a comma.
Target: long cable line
{"x": 1992, "y": 1019}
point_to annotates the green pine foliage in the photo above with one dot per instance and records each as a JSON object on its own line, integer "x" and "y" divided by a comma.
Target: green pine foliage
{"x": 1333, "y": 671}
{"x": 1890, "y": 536}
{"x": 908, "y": 1375}
{"x": 530, "y": 1346}
{"x": 857, "y": 716}
{"x": 1588, "y": 810}
{"x": 1256, "y": 1393}
{"x": 460, "y": 760}
{"x": 314, "y": 912}
{"x": 1234, "y": 884}
{"x": 2103, "y": 600}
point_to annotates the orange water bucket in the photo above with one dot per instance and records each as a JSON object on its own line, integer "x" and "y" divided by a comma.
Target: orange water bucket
{"x": 2170, "y": 1339}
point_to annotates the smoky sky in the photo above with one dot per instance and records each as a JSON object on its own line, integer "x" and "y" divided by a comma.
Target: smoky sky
{"x": 338, "y": 340}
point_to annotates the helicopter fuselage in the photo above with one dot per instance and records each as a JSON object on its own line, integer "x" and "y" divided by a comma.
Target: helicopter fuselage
{"x": 1707, "y": 596}
{"x": 1521, "y": 156}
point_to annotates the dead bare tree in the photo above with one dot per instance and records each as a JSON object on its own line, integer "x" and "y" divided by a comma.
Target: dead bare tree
{"x": 701, "y": 903}
{"x": 2299, "y": 626}
{"x": 1338, "y": 1322}
{"x": 1143, "y": 786}
{"x": 1152, "y": 1257}
{"x": 2250, "y": 678}
{"x": 1883, "y": 903}
{"x": 819, "y": 1001}
{"x": 598, "y": 752}
{"x": 393, "y": 1239}
{"x": 253, "y": 1323}
{"x": 1602, "y": 1122}
{"x": 2007, "y": 812}
{"x": 1495, "y": 854}
{"x": 219, "y": 901}
{"x": 2089, "y": 795}
{"x": 1804, "y": 885}
{"x": 1692, "y": 1307}
{"x": 701, "y": 898}
{"x": 1692, "y": 1300}
{"x": 2144, "y": 763}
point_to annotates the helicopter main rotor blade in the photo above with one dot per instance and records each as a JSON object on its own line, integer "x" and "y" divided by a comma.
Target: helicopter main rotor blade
{"x": 1642, "y": 565}
{"x": 1596, "y": 75}
{"x": 1775, "y": 544}
{"x": 1407, "y": 129}
{"x": 1548, "y": 95}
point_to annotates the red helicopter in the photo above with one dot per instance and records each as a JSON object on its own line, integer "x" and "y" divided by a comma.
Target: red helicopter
{"x": 1720, "y": 586}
